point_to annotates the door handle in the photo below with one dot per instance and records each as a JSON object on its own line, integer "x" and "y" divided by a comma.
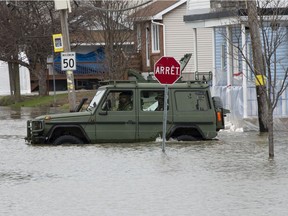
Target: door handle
{"x": 103, "y": 113}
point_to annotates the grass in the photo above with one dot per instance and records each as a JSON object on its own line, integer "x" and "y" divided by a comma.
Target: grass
{"x": 59, "y": 100}
{"x": 39, "y": 101}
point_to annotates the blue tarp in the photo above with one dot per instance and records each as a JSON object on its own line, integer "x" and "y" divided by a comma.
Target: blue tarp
{"x": 90, "y": 63}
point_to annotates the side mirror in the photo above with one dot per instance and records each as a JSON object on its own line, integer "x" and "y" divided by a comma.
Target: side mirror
{"x": 78, "y": 108}
{"x": 106, "y": 107}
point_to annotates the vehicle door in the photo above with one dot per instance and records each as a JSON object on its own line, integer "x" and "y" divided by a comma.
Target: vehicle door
{"x": 151, "y": 114}
{"x": 194, "y": 107}
{"x": 116, "y": 117}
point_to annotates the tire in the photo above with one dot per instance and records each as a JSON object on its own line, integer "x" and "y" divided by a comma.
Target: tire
{"x": 186, "y": 138}
{"x": 67, "y": 139}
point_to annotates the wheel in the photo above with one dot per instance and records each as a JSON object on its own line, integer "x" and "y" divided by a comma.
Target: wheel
{"x": 67, "y": 139}
{"x": 186, "y": 138}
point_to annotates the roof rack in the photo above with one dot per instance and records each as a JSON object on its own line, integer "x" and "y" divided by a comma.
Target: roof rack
{"x": 206, "y": 76}
{"x": 115, "y": 82}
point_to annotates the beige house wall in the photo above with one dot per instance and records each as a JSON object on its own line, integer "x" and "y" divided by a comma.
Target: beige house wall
{"x": 180, "y": 40}
{"x": 179, "y": 37}
{"x": 205, "y": 49}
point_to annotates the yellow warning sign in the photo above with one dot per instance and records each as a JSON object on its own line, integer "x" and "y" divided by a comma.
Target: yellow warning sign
{"x": 260, "y": 80}
{"x": 58, "y": 43}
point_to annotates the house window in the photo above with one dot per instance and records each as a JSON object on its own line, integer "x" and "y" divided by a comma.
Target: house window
{"x": 155, "y": 38}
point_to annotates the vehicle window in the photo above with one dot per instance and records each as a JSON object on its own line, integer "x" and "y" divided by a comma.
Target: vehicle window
{"x": 95, "y": 101}
{"x": 191, "y": 101}
{"x": 119, "y": 101}
{"x": 152, "y": 100}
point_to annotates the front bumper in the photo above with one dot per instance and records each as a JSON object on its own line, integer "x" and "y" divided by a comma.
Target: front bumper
{"x": 35, "y": 130}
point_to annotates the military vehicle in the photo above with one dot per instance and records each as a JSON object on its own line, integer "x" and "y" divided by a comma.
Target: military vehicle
{"x": 192, "y": 115}
{"x": 132, "y": 111}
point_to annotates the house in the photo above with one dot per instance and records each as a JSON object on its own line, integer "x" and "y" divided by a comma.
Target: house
{"x": 161, "y": 31}
{"x": 91, "y": 57}
{"x": 5, "y": 82}
{"x": 232, "y": 78}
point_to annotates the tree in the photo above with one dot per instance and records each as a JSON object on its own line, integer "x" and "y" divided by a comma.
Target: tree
{"x": 112, "y": 22}
{"x": 9, "y": 50}
{"x": 27, "y": 27}
{"x": 26, "y": 30}
{"x": 14, "y": 79}
{"x": 268, "y": 33}
{"x": 259, "y": 68}
{"x": 276, "y": 69}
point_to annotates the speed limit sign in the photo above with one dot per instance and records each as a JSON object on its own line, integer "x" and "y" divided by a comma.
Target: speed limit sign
{"x": 68, "y": 61}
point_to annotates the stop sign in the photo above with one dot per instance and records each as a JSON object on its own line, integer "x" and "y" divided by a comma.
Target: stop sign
{"x": 167, "y": 70}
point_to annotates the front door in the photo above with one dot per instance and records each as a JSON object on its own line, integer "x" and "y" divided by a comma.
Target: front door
{"x": 116, "y": 117}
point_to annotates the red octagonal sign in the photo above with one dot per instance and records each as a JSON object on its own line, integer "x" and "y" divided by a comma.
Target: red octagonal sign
{"x": 167, "y": 70}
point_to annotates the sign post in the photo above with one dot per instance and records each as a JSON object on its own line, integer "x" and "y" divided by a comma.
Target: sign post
{"x": 64, "y": 7}
{"x": 167, "y": 71}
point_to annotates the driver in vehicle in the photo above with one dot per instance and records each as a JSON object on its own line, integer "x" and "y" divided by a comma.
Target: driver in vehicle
{"x": 160, "y": 99}
{"x": 125, "y": 101}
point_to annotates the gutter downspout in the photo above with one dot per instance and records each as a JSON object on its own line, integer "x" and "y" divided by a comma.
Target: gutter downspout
{"x": 195, "y": 50}
{"x": 164, "y": 35}
{"x": 229, "y": 50}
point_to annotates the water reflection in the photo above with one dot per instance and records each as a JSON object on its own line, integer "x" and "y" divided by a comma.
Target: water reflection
{"x": 26, "y": 112}
{"x": 228, "y": 176}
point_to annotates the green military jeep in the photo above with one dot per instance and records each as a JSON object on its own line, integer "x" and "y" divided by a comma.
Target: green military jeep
{"x": 131, "y": 111}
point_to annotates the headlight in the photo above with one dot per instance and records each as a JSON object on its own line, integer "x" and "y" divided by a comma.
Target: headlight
{"x": 37, "y": 125}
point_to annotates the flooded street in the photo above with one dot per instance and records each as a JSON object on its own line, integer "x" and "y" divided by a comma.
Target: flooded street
{"x": 229, "y": 176}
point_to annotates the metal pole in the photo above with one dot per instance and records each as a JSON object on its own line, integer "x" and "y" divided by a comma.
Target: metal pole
{"x": 165, "y": 117}
{"x": 54, "y": 82}
{"x": 69, "y": 74}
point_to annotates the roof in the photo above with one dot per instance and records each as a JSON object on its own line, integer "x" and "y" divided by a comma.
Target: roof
{"x": 157, "y": 9}
{"x": 233, "y": 13}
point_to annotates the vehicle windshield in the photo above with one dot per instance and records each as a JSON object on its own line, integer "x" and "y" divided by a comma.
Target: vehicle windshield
{"x": 93, "y": 104}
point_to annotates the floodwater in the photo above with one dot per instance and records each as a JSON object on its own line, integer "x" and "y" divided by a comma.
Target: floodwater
{"x": 229, "y": 176}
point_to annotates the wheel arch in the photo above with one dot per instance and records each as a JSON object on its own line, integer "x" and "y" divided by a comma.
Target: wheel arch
{"x": 191, "y": 130}
{"x": 74, "y": 130}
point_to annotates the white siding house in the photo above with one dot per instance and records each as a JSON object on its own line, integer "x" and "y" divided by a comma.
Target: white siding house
{"x": 5, "y": 83}
{"x": 198, "y": 6}
{"x": 232, "y": 79}
{"x": 180, "y": 38}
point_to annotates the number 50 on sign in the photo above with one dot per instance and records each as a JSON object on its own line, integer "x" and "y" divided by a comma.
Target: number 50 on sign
{"x": 68, "y": 61}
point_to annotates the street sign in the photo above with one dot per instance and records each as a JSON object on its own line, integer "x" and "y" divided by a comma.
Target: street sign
{"x": 167, "y": 70}
{"x": 68, "y": 61}
{"x": 58, "y": 42}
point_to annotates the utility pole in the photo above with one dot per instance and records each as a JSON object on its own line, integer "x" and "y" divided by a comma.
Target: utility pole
{"x": 69, "y": 73}
{"x": 259, "y": 65}
{"x": 63, "y": 7}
